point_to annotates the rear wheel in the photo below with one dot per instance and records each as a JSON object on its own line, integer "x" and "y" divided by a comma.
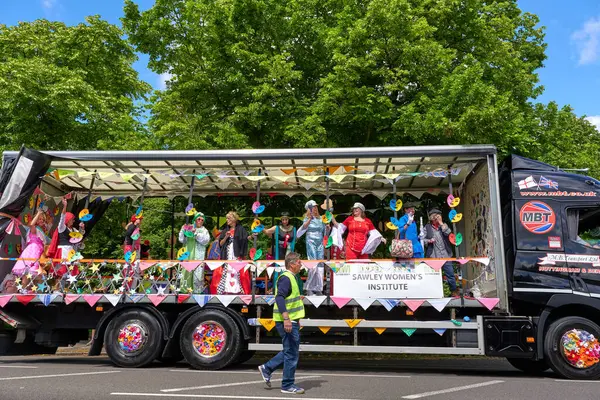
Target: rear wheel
{"x": 210, "y": 339}
{"x": 133, "y": 339}
{"x": 572, "y": 348}
{"x": 531, "y": 367}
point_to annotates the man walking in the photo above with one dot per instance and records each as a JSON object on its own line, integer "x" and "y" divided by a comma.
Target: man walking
{"x": 287, "y": 312}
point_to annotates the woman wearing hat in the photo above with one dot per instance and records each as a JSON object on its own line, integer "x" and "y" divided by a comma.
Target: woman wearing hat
{"x": 362, "y": 238}
{"x": 195, "y": 237}
{"x": 284, "y": 237}
{"x": 408, "y": 229}
{"x": 314, "y": 228}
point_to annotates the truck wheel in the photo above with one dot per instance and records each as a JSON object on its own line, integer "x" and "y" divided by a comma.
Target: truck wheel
{"x": 133, "y": 339}
{"x": 210, "y": 339}
{"x": 530, "y": 367}
{"x": 572, "y": 348}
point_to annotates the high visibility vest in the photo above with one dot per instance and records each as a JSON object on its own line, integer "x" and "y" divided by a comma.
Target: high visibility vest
{"x": 293, "y": 303}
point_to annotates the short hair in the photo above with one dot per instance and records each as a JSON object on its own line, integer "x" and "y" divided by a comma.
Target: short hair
{"x": 291, "y": 258}
{"x": 233, "y": 215}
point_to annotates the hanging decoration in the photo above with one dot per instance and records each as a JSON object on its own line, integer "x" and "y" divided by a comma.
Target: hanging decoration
{"x": 85, "y": 216}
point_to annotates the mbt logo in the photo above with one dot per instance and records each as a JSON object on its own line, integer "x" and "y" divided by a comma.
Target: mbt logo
{"x": 537, "y": 217}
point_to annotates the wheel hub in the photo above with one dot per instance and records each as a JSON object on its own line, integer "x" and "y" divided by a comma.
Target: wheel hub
{"x": 209, "y": 338}
{"x": 581, "y": 349}
{"x": 132, "y": 338}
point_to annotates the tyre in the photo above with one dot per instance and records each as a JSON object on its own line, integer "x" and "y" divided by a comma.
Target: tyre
{"x": 572, "y": 348}
{"x": 530, "y": 367}
{"x": 210, "y": 339}
{"x": 133, "y": 339}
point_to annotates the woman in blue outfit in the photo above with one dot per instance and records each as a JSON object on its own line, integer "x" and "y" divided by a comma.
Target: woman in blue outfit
{"x": 408, "y": 229}
{"x": 314, "y": 228}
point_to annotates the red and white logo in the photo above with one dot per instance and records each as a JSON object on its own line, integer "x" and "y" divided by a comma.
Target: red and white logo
{"x": 537, "y": 217}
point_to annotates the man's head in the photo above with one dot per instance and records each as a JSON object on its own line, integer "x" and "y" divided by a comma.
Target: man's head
{"x": 293, "y": 263}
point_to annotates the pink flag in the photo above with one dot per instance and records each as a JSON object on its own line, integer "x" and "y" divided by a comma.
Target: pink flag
{"x": 237, "y": 265}
{"x": 189, "y": 265}
{"x": 156, "y": 299}
{"x": 246, "y": 298}
{"x": 463, "y": 261}
{"x": 435, "y": 264}
{"x": 92, "y": 299}
{"x": 144, "y": 265}
{"x": 5, "y": 299}
{"x": 310, "y": 264}
{"x": 341, "y": 301}
{"x": 69, "y": 298}
{"x": 413, "y": 304}
{"x": 489, "y": 302}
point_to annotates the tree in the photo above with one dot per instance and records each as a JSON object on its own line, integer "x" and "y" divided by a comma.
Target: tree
{"x": 68, "y": 87}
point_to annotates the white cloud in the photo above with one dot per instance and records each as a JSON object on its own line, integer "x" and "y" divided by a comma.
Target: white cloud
{"x": 594, "y": 120}
{"x": 48, "y": 4}
{"x": 587, "y": 41}
{"x": 162, "y": 80}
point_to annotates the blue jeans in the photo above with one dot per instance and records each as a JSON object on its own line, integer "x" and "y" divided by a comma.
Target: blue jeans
{"x": 288, "y": 357}
{"x": 448, "y": 270}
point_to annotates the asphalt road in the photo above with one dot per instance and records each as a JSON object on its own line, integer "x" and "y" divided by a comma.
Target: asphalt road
{"x": 77, "y": 377}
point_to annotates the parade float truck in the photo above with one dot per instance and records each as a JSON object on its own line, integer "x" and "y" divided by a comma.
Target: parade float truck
{"x": 525, "y": 258}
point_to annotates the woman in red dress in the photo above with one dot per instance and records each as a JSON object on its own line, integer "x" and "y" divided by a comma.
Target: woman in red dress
{"x": 359, "y": 228}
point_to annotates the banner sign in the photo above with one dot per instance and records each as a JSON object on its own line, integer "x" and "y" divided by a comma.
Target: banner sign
{"x": 371, "y": 280}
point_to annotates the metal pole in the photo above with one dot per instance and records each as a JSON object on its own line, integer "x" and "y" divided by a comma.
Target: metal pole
{"x": 172, "y": 228}
{"x": 326, "y": 268}
{"x": 462, "y": 296}
{"x": 191, "y": 195}
{"x": 255, "y": 242}
{"x": 87, "y": 199}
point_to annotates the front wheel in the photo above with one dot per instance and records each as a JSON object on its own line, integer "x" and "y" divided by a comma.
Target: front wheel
{"x": 133, "y": 339}
{"x": 210, "y": 339}
{"x": 572, "y": 348}
{"x": 530, "y": 367}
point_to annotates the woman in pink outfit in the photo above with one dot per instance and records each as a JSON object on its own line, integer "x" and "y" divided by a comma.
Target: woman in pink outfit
{"x": 34, "y": 249}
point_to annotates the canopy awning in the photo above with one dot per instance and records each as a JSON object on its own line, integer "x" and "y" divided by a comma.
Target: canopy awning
{"x": 285, "y": 171}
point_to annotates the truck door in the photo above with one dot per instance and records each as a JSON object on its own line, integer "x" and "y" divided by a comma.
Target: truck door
{"x": 582, "y": 248}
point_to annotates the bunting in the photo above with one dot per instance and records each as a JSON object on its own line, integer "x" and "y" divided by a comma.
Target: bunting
{"x": 268, "y": 324}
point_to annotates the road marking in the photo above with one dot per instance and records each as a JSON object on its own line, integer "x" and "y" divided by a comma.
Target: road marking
{"x": 56, "y": 375}
{"x": 216, "y": 396}
{"x": 18, "y": 366}
{"x": 297, "y": 373}
{"x": 450, "y": 390}
{"x": 229, "y": 384}
{"x": 575, "y": 380}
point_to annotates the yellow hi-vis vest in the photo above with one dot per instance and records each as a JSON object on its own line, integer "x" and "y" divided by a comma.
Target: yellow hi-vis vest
{"x": 293, "y": 303}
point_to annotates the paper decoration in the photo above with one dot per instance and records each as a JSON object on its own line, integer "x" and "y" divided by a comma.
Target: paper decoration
{"x": 388, "y": 303}
{"x": 270, "y": 300}
{"x": 396, "y": 205}
{"x": 409, "y": 331}
{"x": 439, "y": 331}
{"x": 75, "y": 237}
{"x": 327, "y": 241}
{"x": 452, "y": 214}
{"x": 246, "y": 298}
{"x": 252, "y": 253}
{"x": 212, "y": 265}
{"x": 92, "y": 299}
{"x": 455, "y": 239}
{"x": 113, "y": 298}
{"x": 45, "y": 299}
{"x": 364, "y": 302}
{"x": 135, "y": 235}
{"x": 4, "y": 299}
{"x": 435, "y": 264}
{"x": 316, "y": 300}
{"x": 380, "y": 330}
{"x": 452, "y": 201}
{"x": 341, "y": 301}
{"x": 258, "y": 229}
{"x": 144, "y": 265}
{"x": 257, "y": 208}
{"x": 237, "y": 265}
{"x": 25, "y": 298}
{"x": 136, "y": 297}
{"x": 488, "y": 302}
{"x": 391, "y": 226}
{"x": 156, "y": 299}
{"x": 413, "y": 304}
{"x": 352, "y": 322}
{"x": 457, "y": 218}
{"x": 130, "y": 257}
{"x": 258, "y": 254}
{"x": 225, "y": 299}
{"x": 201, "y": 299}
{"x": 268, "y": 324}
{"x": 85, "y": 216}
{"x": 69, "y": 298}
{"x": 182, "y": 254}
{"x": 13, "y": 227}
{"x": 324, "y": 329}
{"x": 439, "y": 304}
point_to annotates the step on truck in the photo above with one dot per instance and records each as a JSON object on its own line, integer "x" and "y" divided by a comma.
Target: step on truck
{"x": 525, "y": 255}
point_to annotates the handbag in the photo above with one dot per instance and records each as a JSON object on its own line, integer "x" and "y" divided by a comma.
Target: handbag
{"x": 401, "y": 248}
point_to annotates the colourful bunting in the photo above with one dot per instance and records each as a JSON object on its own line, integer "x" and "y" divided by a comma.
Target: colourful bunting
{"x": 324, "y": 329}
{"x": 268, "y": 324}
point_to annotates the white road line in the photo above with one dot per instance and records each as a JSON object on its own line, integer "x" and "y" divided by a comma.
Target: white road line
{"x": 298, "y": 373}
{"x": 12, "y": 378}
{"x": 229, "y": 384}
{"x": 575, "y": 380}
{"x": 450, "y": 390}
{"x": 18, "y": 366}
{"x": 216, "y": 396}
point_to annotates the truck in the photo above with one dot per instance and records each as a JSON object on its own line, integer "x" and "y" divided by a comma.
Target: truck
{"x": 526, "y": 258}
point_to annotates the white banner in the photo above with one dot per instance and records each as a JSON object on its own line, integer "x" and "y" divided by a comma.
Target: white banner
{"x": 369, "y": 280}
{"x": 553, "y": 258}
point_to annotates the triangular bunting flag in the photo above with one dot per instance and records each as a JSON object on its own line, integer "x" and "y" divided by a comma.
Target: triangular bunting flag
{"x": 316, "y": 300}
{"x": 462, "y": 261}
{"x": 144, "y": 265}
{"x": 270, "y": 271}
{"x": 341, "y": 301}
{"x": 156, "y": 299}
{"x": 92, "y": 299}
{"x": 55, "y": 296}
{"x": 212, "y": 265}
{"x": 246, "y": 298}
{"x": 352, "y": 322}
{"x": 136, "y": 297}
{"x": 225, "y": 299}
{"x": 4, "y": 299}
{"x": 380, "y": 330}
{"x": 255, "y": 178}
{"x": 388, "y": 303}
{"x": 280, "y": 178}
{"x": 439, "y": 331}
{"x": 270, "y": 300}
{"x": 439, "y": 304}
{"x": 113, "y": 298}
{"x": 484, "y": 260}
{"x": 413, "y": 304}
{"x": 268, "y": 324}
{"x": 325, "y": 329}
{"x": 69, "y": 298}
{"x": 489, "y": 302}
{"x": 364, "y": 302}
{"x": 408, "y": 331}
{"x": 310, "y": 264}
{"x": 182, "y": 298}
{"x": 237, "y": 265}
{"x": 25, "y": 298}
{"x": 435, "y": 264}
{"x": 127, "y": 177}
{"x": 45, "y": 299}
{"x": 189, "y": 265}
{"x": 337, "y": 178}
{"x": 201, "y": 299}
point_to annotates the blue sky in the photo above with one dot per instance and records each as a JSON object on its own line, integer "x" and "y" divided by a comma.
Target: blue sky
{"x": 570, "y": 76}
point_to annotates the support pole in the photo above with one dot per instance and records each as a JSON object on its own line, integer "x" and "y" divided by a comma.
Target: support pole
{"x": 190, "y": 195}
{"x": 255, "y": 242}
